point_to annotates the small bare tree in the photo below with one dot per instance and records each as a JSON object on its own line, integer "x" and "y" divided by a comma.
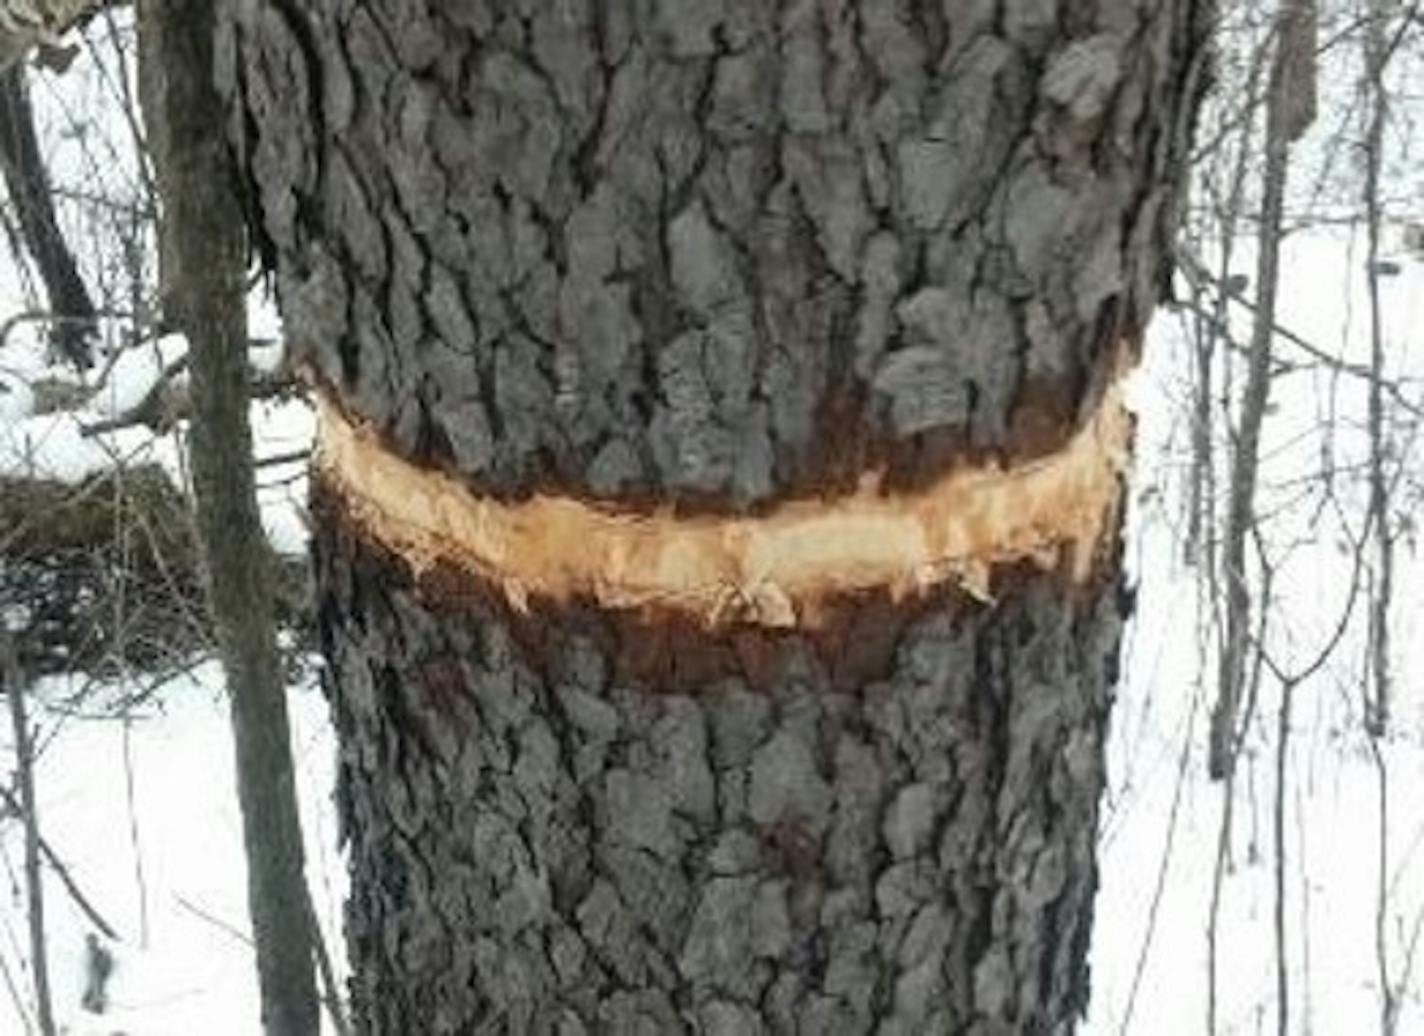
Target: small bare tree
{"x": 203, "y": 272}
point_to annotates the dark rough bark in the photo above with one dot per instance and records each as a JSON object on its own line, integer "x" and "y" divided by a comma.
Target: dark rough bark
{"x": 204, "y": 267}
{"x": 717, "y": 249}
{"x": 27, "y": 182}
{"x": 538, "y": 847}
{"x": 718, "y": 253}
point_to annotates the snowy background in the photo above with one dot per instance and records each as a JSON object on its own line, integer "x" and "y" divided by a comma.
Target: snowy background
{"x": 139, "y": 802}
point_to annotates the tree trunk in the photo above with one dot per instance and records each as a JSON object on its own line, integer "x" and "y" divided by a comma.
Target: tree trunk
{"x": 203, "y": 274}
{"x": 27, "y": 183}
{"x": 601, "y": 299}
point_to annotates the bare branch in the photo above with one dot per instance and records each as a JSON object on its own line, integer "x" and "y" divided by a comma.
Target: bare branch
{"x": 34, "y": 887}
{"x": 62, "y": 872}
{"x": 1241, "y": 504}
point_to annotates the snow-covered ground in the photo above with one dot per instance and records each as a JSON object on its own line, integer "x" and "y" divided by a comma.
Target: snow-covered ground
{"x": 1159, "y": 801}
{"x": 144, "y": 814}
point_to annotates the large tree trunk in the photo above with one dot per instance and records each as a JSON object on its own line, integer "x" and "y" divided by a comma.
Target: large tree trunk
{"x": 689, "y": 271}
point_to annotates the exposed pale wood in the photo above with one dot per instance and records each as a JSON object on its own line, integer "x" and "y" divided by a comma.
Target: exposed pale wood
{"x": 774, "y": 569}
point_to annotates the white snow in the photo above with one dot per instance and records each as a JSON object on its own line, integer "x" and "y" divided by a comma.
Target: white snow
{"x": 134, "y": 373}
{"x": 167, "y": 870}
{"x": 1332, "y": 827}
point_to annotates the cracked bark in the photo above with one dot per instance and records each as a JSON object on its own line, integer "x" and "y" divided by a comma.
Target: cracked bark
{"x": 714, "y": 257}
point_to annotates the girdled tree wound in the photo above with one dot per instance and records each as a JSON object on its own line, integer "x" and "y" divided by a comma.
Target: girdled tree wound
{"x": 802, "y": 565}
{"x": 716, "y": 526}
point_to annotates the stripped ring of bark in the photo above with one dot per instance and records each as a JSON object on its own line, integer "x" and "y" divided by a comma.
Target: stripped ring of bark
{"x": 780, "y": 569}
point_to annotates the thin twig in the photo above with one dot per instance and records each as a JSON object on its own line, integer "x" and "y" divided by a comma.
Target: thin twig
{"x": 1195, "y": 272}
{"x": 21, "y": 1008}
{"x": 1164, "y": 861}
{"x": 128, "y": 105}
{"x": 215, "y": 921}
{"x": 1281, "y": 126}
{"x": 134, "y": 841}
{"x": 1302, "y": 871}
{"x": 25, "y": 777}
{"x": 1389, "y": 1004}
{"x": 62, "y": 872}
{"x": 1218, "y": 881}
{"x": 1278, "y": 824}
{"x": 1411, "y": 953}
